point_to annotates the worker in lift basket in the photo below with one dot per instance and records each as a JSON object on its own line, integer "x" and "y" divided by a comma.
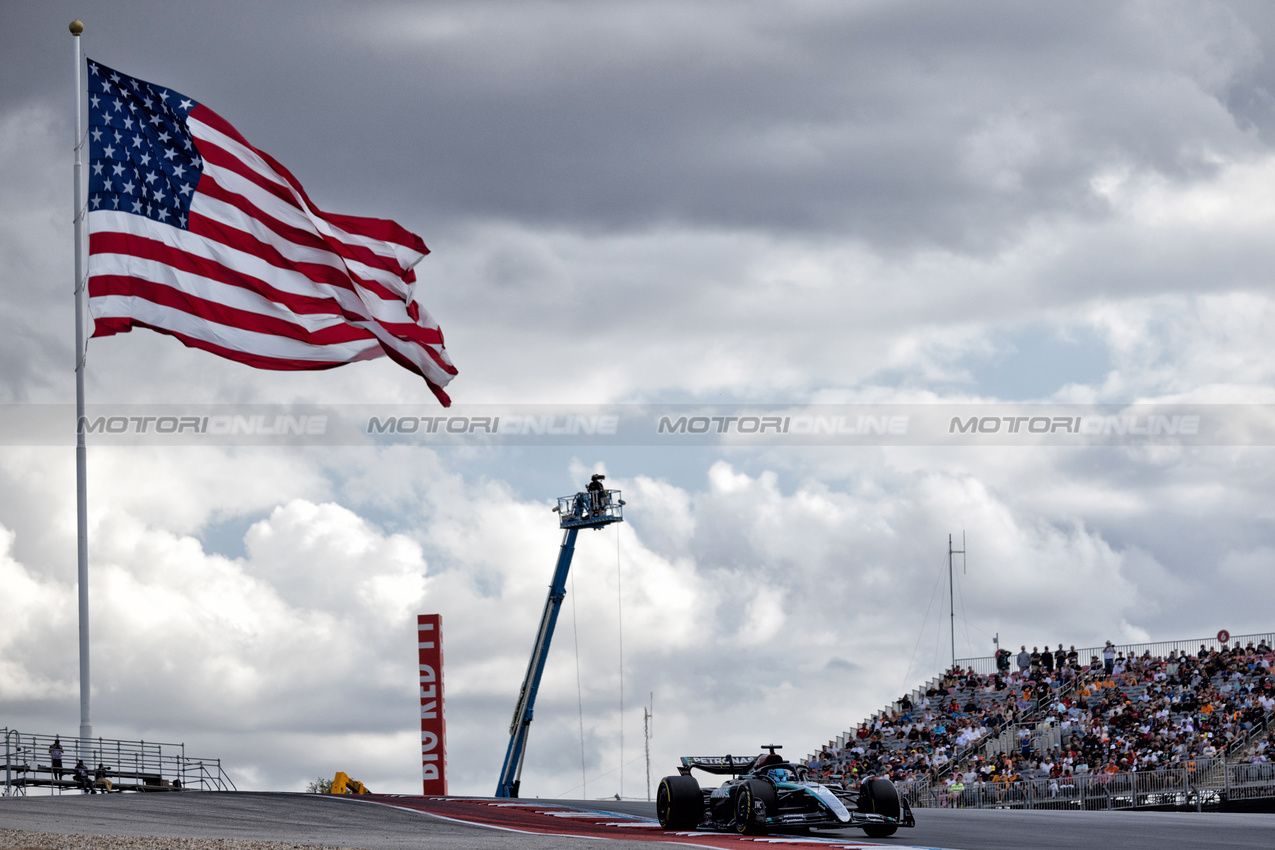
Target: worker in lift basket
{"x": 597, "y": 494}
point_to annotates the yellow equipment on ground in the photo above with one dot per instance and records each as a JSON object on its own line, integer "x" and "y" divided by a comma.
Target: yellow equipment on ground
{"x": 343, "y": 784}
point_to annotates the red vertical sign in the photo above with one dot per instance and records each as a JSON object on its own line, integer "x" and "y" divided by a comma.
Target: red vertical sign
{"x": 429, "y": 630}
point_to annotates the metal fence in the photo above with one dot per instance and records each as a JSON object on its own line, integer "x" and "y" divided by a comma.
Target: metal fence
{"x": 987, "y": 663}
{"x": 1196, "y": 786}
{"x": 1250, "y": 781}
{"x": 130, "y": 765}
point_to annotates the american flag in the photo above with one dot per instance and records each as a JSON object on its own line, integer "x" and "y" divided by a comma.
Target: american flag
{"x": 193, "y": 232}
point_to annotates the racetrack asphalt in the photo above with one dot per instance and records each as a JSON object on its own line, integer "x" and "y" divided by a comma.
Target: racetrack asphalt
{"x": 346, "y": 822}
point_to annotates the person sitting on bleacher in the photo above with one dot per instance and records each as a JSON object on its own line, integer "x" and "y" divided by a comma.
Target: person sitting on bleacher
{"x": 82, "y": 778}
{"x": 100, "y": 780}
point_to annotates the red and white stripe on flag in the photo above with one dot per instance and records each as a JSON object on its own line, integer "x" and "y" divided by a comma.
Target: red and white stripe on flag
{"x": 429, "y": 649}
{"x": 255, "y": 272}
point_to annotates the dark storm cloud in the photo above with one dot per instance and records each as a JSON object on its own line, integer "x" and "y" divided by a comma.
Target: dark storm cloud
{"x": 895, "y": 123}
{"x": 901, "y": 124}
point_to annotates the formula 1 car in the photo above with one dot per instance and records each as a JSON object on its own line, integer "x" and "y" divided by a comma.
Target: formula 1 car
{"x": 767, "y": 794}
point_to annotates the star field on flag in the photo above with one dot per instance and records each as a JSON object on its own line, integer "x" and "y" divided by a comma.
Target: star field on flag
{"x": 143, "y": 159}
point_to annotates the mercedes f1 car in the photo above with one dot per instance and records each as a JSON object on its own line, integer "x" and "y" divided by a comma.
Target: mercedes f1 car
{"x": 767, "y": 794}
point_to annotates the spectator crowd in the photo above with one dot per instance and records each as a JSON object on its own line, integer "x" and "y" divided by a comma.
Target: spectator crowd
{"x": 1047, "y": 716}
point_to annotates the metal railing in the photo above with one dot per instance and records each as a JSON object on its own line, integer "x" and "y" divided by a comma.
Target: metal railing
{"x": 590, "y": 508}
{"x": 129, "y": 765}
{"x": 1201, "y": 784}
{"x": 1243, "y": 743}
{"x": 987, "y": 663}
{"x": 1249, "y": 781}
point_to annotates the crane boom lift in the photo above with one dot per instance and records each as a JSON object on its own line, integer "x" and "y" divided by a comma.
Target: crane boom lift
{"x": 593, "y": 508}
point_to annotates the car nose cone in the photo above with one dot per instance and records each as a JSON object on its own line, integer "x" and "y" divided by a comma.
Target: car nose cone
{"x": 830, "y": 800}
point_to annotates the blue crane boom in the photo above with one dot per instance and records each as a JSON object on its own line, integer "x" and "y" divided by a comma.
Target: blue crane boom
{"x": 593, "y": 508}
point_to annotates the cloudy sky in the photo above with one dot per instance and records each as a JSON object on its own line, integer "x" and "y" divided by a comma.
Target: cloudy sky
{"x": 710, "y": 203}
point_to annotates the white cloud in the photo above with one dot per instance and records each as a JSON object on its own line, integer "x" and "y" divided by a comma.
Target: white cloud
{"x": 781, "y": 602}
{"x": 34, "y": 609}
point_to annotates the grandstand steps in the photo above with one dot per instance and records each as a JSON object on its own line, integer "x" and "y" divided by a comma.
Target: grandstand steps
{"x": 848, "y": 736}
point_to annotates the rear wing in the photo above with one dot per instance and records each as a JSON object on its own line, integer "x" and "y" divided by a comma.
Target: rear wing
{"x": 721, "y": 765}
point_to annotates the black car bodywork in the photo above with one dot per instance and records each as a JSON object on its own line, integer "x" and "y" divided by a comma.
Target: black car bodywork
{"x": 767, "y": 794}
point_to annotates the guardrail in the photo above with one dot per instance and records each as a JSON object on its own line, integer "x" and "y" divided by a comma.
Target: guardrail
{"x": 1204, "y": 784}
{"x": 986, "y": 664}
{"x": 130, "y": 765}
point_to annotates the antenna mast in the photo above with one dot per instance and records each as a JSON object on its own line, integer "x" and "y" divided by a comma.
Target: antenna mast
{"x": 951, "y": 593}
{"x": 647, "y": 716}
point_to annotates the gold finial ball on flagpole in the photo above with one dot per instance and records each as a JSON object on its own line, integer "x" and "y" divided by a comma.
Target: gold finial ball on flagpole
{"x": 76, "y": 27}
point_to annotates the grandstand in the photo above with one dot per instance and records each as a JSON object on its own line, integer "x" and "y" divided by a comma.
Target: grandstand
{"x": 145, "y": 766}
{"x": 1174, "y": 724}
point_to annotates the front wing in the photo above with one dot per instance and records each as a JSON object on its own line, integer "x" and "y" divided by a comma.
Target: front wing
{"x": 824, "y": 820}
{"x": 799, "y": 810}
{"x": 819, "y": 817}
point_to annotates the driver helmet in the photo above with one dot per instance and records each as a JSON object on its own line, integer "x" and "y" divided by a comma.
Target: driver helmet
{"x": 781, "y": 774}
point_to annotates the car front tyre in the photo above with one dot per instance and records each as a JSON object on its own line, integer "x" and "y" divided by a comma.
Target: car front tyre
{"x": 750, "y": 810}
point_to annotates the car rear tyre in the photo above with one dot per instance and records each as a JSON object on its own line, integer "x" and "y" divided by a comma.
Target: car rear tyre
{"x": 679, "y": 804}
{"x": 880, "y": 797}
{"x": 755, "y": 800}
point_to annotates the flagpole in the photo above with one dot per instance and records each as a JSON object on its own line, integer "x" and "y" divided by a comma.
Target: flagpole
{"x": 81, "y": 455}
